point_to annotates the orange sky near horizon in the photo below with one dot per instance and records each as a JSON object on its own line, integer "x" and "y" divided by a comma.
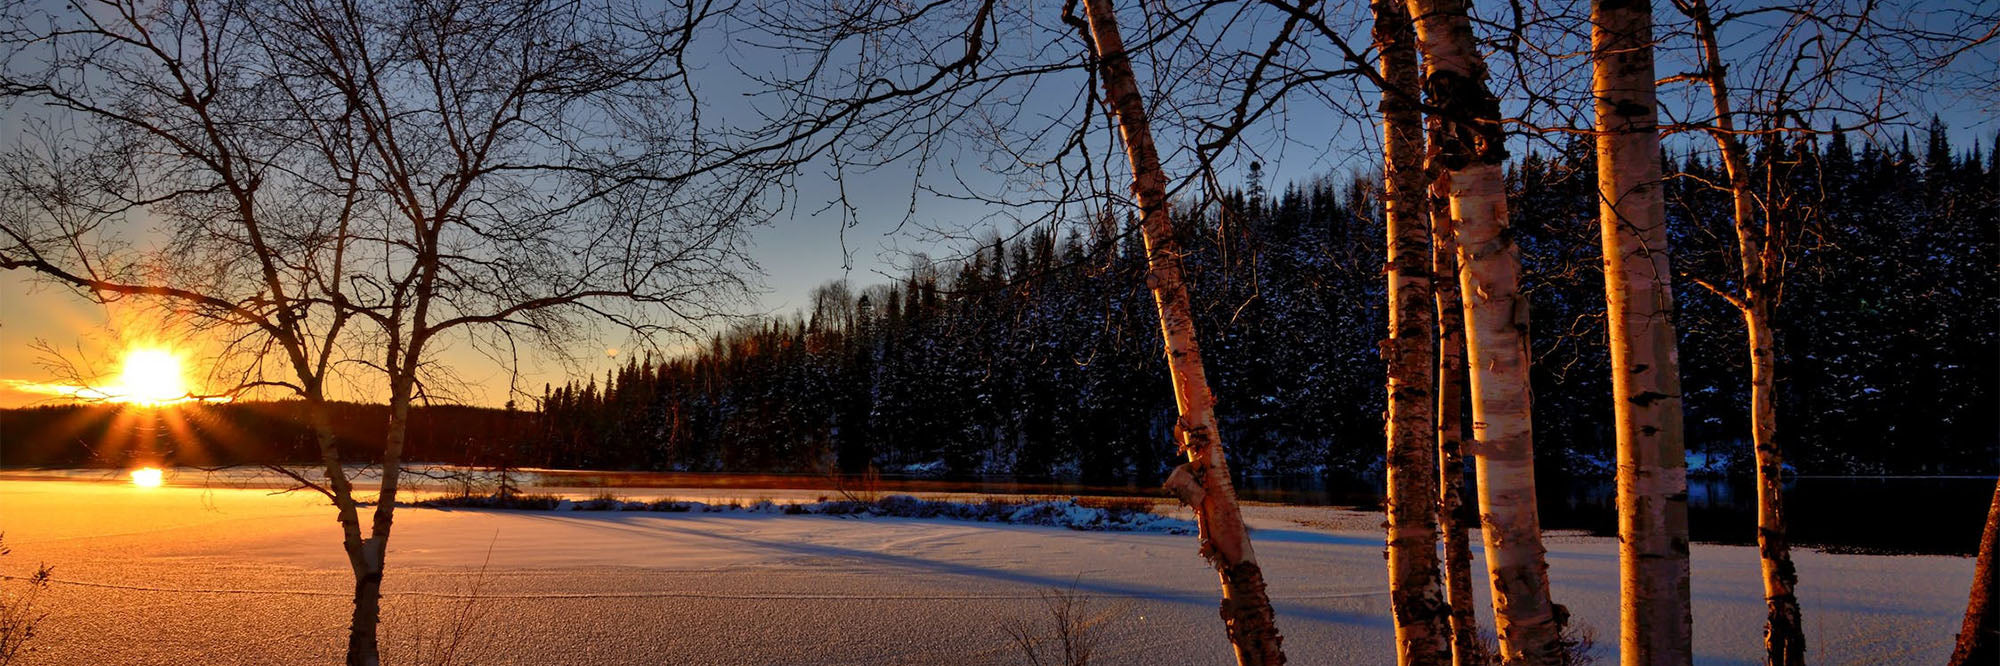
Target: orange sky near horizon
{"x": 91, "y": 341}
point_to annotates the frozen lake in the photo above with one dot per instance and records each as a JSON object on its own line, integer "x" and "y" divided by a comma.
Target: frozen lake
{"x": 184, "y": 575}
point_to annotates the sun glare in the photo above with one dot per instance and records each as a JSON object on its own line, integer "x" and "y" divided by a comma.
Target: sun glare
{"x": 148, "y": 477}
{"x": 151, "y": 377}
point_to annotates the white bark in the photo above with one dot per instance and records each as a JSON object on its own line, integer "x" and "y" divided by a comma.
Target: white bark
{"x": 1204, "y": 480}
{"x": 1655, "y": 626}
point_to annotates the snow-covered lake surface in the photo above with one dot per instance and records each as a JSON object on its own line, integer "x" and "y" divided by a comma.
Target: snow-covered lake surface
{"x": 191, "y": 575}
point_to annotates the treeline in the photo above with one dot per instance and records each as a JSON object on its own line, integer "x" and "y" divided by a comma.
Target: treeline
{"x": 1039, "y": 355}
{"x": 248, "y": 433}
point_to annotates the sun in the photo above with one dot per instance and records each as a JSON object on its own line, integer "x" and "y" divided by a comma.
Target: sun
{"x": 147, "y": 477}
{"x": 151, "y": 377}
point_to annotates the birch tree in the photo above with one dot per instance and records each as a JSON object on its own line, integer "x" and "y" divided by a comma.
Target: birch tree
{"x": 531, "y": 177}
{"x": 1759, "y": 248}
{"x": 956, "y": 79}
{"x": 362, "y": 185}
{"x": 170, "y": 132}
{"x": 1472, "y": 154}
{"x": 1824, "y": 60}
{"x": 1979, "y": 635}
{"x": 1415, "y": 598}
{"x": 1203, "y": 482}
{"x": 1466, "y": 649}
{"x": 1655, "y": 625}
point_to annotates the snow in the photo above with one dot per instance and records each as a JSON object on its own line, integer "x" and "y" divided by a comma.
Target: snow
{"x": 180, "y": 575}
{"x": 1066, "y": 513}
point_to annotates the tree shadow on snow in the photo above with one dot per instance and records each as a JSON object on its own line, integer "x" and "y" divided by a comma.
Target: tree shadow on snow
{"x": 662, "y": 526}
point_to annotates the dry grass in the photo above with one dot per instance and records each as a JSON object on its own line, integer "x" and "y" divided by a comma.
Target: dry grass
{"x": 19, "y": 615}
{"x": 604, "y": 501}
{"x": 512, "y": 501}
{"x": 669, "y": 504}
{"x": 446, "y": 644}
{"x": 1089, "y": 513}
{"x": 1120, "y": 504}
{"x": 1576, "y": 642}
{"x": 863, "y": 488}
{"x": 1066, "y": 634}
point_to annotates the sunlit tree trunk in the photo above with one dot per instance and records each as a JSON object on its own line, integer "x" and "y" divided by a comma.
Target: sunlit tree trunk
{"x": 1415, "y": 595}
{"x": 1784, "y": 626}
{"x": 1203, "y": 482}
{"x": 362, "y": 639}
{"x": 369, "y": 556}
{"x": 1979, "y": 637}
{"x": 361, "y": 644}
{"x": 1465, "y": 647}
{"x": 1654, "y": 625}
{"x": 1472, "y": 155}
{"x": 362, "y": 647}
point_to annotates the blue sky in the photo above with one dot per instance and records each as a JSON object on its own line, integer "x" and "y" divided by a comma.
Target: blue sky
{"x": 807, "y": 243}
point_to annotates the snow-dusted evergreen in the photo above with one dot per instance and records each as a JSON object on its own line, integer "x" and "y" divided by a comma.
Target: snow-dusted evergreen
{"x": 1111, "y": 516}
{"x": 1039, "y": 354}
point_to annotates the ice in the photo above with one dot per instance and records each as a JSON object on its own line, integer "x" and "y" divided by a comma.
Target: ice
{"x": 187, "y": 575}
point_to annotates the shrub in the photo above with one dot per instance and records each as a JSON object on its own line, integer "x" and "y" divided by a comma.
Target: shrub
{"x": 669, "y": 505}
{"x": 1068, "y": 634}
{"x": 18, "y": 615}
{"x": 604, "y": 501}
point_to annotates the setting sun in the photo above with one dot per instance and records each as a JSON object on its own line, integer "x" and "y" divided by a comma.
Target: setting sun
{"x": 148, "y": 477}
{"x": 151, "y": 377}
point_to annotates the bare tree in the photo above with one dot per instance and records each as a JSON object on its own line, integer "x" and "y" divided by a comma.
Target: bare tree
{"x": 874, "y": 84}
{"x": 472, "y": 172}
{"x": 1760, "y": 249}
{"x": 1203, "y": 482}
{"x": 1825, "y": 61}
{"x": 147, "y": 119}
{"x": 528, "y": 175}
{"x": 1847, "y": 64}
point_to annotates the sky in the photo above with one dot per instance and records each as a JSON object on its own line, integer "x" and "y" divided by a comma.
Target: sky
{"x": 803, "y": 246}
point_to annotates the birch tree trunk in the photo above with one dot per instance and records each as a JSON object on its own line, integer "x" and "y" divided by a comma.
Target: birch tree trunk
{"x": 1784, "y": 625}
{"x": 369, "y": 556}
{"x": 1465, "y": 647}
{"x": 362, "y": 647}
{"x": 1203, "y": 482}
{"x": 1979, "y": 637}
{"x": 1471, "y": 151}
{"x": 1415, "y": 594}
{"x": 1655, "y": 626}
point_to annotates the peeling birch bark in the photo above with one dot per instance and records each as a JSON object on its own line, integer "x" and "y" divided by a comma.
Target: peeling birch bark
{"x": 1471, "y": 153}
{"x": 1757, "y": 249}
{"x": 1654, "y": 623}
{"x": 1416, "y": 595}
{"x": 1465, "y": 647}
{"x": 1225, "y": 541}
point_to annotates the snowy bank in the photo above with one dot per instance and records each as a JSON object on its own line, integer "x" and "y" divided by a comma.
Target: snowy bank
{"x": 1094, "y": 515}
